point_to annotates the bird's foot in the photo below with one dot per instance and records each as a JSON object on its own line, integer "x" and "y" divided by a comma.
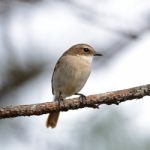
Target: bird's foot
{"x": 82, "y": 97}
{"x": 60, "y": 101}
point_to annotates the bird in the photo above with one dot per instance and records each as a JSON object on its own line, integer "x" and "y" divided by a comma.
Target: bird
{"x": 70, "y": 74}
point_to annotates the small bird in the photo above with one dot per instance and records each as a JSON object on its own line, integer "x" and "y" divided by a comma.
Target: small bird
{"x": 70, "y": 75}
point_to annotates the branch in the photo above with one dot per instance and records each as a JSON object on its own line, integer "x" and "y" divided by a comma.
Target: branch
{"x": 115, "y": 97}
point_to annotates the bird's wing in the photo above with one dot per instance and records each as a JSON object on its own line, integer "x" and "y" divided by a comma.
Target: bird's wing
{"x": 59, "y": 62}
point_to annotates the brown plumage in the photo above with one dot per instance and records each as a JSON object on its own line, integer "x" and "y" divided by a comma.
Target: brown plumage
{"x": 52, "y": 120}
{"x": 70, "y": 75}
{"x": 79, "y": 50}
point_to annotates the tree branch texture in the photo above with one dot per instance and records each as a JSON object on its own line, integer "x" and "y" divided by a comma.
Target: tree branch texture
{"x": 114, "y": 97}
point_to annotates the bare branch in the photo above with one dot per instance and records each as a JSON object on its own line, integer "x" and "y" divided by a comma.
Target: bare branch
{"x": 115, "y": 97}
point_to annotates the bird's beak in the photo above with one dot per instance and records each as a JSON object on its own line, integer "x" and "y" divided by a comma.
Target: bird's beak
{"x": 97, "y": 54}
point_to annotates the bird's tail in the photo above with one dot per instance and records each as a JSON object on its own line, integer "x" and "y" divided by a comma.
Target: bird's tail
{"x": 52, "y": 120}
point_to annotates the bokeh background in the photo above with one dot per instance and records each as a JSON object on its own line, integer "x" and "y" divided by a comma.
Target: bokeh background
{"x": 33, "y": 35}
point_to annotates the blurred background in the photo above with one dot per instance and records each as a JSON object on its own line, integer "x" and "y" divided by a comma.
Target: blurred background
{"x": 33, "y": 35}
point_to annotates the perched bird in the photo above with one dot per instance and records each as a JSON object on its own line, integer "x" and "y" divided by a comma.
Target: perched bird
{"x": 70, "y": 75}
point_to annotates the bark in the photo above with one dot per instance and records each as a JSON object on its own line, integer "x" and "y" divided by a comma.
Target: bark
{"x": 114, "y": 97}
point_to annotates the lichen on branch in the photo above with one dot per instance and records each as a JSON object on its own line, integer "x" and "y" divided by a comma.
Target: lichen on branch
{"x": 114, "y": 97}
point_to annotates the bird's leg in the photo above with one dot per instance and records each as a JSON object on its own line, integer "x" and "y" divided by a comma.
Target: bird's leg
{"x": 82, "y": 97}
{"x": 60, "y": 100}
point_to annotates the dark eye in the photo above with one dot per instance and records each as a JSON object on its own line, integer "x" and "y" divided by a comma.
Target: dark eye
{"x": 86, "y": 50}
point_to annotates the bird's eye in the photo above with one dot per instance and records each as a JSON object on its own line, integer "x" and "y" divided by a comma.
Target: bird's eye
{"x": 86, "y": 50}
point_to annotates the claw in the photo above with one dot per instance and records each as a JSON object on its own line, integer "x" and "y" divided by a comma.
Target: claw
{"x": 60, "y": 101}
{"x": 82, "y": 97}
{"x": 95, "y": 106}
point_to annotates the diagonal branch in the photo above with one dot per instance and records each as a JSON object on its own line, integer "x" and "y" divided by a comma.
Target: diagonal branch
{"x": 115, "y": 97}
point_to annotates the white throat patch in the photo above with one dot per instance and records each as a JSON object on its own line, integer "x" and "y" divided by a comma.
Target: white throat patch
{"x": 87, "y": 58}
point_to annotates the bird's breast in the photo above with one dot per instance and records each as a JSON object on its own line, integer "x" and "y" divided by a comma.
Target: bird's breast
{"x": 71, "y": 75}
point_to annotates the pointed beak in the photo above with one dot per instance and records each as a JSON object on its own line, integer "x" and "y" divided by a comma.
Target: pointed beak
{"x": 97, "y": 54}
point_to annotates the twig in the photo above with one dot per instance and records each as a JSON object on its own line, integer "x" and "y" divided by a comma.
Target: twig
{"x": 115, "y": 97}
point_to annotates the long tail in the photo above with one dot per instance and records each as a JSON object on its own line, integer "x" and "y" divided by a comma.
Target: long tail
{"x": 52, "y": 120}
